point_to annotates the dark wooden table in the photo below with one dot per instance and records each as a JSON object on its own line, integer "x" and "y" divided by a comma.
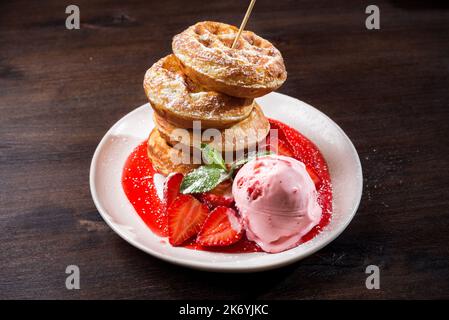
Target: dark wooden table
{"x": 60, "y": 90}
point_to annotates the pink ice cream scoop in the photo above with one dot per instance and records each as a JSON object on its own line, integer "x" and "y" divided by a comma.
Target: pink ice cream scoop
{"x": 277, "y": 200}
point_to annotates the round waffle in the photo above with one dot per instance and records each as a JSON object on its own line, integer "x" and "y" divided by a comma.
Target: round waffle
{"x": 166, "y": 159}
{"x": 252, "y": 69}
{"x": 181, "y": 101}
{"x": 240, "y": 136}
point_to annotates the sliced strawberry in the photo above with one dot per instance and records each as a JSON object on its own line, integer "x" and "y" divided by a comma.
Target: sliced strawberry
{"x": 215, "y": 200}
{"x": 314, "y": 176}
{"x": 279, "y": 146}
{"x": 222, "y": 228}
{"x": 186, "y": 215}
{"x": 223, "y": 188}
{"x": 221, "y": 195}
{"x": 171, "y": 187}
{"x": 275, "y": 125}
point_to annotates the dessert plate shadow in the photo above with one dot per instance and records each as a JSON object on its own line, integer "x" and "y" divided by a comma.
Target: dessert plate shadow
{"x": 113, "y": 205}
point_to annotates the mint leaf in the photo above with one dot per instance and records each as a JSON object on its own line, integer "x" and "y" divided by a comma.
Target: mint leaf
{"x": 203, "y": 179}
{"x": 212, "y": 156}
{"x": 207, "y": 177}
{"x": 249, "y": 157}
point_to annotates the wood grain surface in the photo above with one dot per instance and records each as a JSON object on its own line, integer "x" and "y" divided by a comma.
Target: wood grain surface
{"x": 60, "y": 91}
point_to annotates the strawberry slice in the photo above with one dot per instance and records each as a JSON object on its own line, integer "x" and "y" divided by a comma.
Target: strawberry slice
{"x": 221, "y": 195}
{"x": 185, "y": 215}
{"x": 223, "y": 188}
{"x": 215, "y": 200}
{"x": 314, "y": 176}
{"x": 276, "y": 125}
{"x": 279, "y": 146}
{"x": 171, "y": 187}
{"x": 222, "y": 228}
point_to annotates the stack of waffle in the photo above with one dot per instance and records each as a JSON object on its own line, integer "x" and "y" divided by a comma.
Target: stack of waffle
{"x": 205, "y": 84}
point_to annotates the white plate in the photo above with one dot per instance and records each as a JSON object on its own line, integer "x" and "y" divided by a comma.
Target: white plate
{"x": 131, "y": 130}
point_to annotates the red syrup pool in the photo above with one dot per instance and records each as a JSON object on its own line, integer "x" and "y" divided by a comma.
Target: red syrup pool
{"x": 137, "y": 182}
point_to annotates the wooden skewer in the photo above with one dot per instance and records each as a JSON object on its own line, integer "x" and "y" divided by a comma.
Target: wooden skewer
{"x": 245, "y": 20}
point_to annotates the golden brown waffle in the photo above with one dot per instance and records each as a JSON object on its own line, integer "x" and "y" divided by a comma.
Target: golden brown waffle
{"x": 181, "y": 101}
{"x": 162, "y": 156}
{"x": 254, "y": 68}
{"x": 240, "y": 136}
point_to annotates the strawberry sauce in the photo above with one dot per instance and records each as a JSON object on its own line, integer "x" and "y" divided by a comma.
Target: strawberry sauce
{"x": 137, "y": 182}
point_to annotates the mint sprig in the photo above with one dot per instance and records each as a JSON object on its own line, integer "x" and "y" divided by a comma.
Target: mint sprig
{"x": 212, "y": 156}
{"x": 203, "y": 179}
{"x": 214, "y": 172}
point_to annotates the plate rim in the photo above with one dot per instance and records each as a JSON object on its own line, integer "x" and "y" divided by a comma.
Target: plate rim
{"x": 205, "y": 266}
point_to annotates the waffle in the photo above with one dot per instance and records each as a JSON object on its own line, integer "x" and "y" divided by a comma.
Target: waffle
{"x": 181, "y": 101}
{"x": 241, "y": 136}
{"x": 206, "y": 80}
{"x": 252, "y": 69}
{"x": 165, "y": 158}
